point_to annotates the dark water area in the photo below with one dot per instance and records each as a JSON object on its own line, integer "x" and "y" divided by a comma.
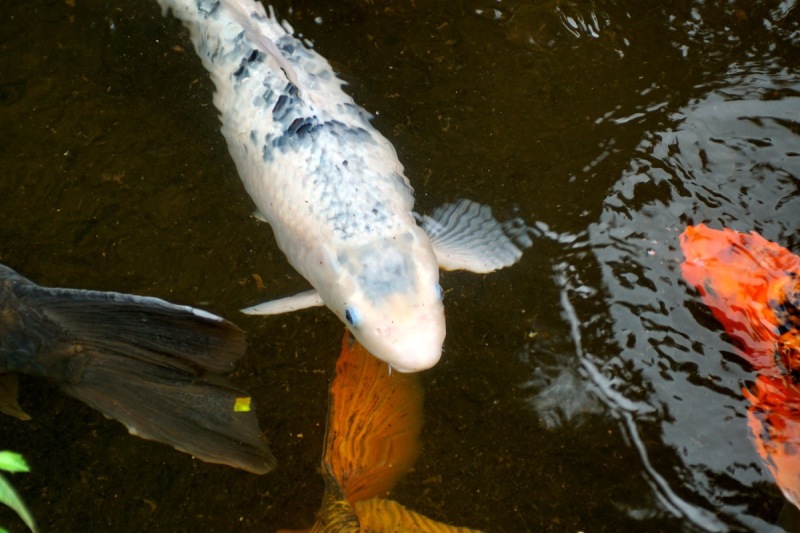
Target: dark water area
{"x": 584, "y": 389}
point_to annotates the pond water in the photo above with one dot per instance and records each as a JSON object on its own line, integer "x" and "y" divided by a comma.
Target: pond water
{"x": 584, "y": 389}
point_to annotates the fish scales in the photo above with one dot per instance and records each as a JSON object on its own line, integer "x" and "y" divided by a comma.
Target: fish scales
{"x": 353, "y": 175}
{"x": 329, "y": 184}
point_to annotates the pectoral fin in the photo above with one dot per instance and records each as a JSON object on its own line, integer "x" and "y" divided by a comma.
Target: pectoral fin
{"x": 302, "y": 300}
{"x": 258, "y": 215}
{"x": 465, "y": 236}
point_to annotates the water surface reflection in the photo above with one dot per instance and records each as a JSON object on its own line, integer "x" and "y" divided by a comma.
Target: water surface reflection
{"x": 730, "y": 158}
{"x": 585, "y": 389}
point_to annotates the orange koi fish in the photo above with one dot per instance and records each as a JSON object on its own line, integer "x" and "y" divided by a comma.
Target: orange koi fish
{"x": 374, "y": 422}
{"x": 752, "y": 286}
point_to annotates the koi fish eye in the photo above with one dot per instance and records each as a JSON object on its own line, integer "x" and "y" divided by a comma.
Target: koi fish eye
{"x": 439, "y": 292}
{"x": 352, "y": 317}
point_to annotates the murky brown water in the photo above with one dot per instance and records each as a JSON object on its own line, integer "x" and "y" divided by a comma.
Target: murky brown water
{"x": 584, "y": 389}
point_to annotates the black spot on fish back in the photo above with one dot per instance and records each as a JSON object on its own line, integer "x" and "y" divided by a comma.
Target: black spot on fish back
{"x": 208, "y": 8}
{"x": 296, "y": 123}
{"x": 268, "y": 97}
{"x": 307, "y": 127}
{"x": 266, "y": 153}
{"x": 279, "y": 105}
{"x": 241, "y": 73}
{"x": 301, "y": 126}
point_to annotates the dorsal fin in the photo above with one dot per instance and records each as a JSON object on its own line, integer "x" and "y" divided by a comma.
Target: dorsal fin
{"x": 242, "y": 12}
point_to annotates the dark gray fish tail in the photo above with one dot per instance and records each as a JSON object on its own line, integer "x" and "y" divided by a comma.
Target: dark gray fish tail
{"x": 150, "y": 364}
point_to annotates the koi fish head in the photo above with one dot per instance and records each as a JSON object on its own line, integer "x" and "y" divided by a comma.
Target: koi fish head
{"x": 388, "y": 295}
{"x": 748, "y": 282}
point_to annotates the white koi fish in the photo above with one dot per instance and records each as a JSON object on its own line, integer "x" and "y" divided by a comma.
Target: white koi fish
{"x": 332, "y": 188}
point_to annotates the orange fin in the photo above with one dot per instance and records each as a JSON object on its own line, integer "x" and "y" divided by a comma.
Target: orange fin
{"x": 377, "y": 514}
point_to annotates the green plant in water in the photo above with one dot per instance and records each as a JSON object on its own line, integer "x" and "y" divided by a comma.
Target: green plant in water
{"x": 13, "y": 462}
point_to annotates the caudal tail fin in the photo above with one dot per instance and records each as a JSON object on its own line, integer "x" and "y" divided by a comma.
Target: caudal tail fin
{"x": 147, "y": 363}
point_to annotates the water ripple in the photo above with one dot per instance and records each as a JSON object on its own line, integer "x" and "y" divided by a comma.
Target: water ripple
{"x": 665, "y": 368}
